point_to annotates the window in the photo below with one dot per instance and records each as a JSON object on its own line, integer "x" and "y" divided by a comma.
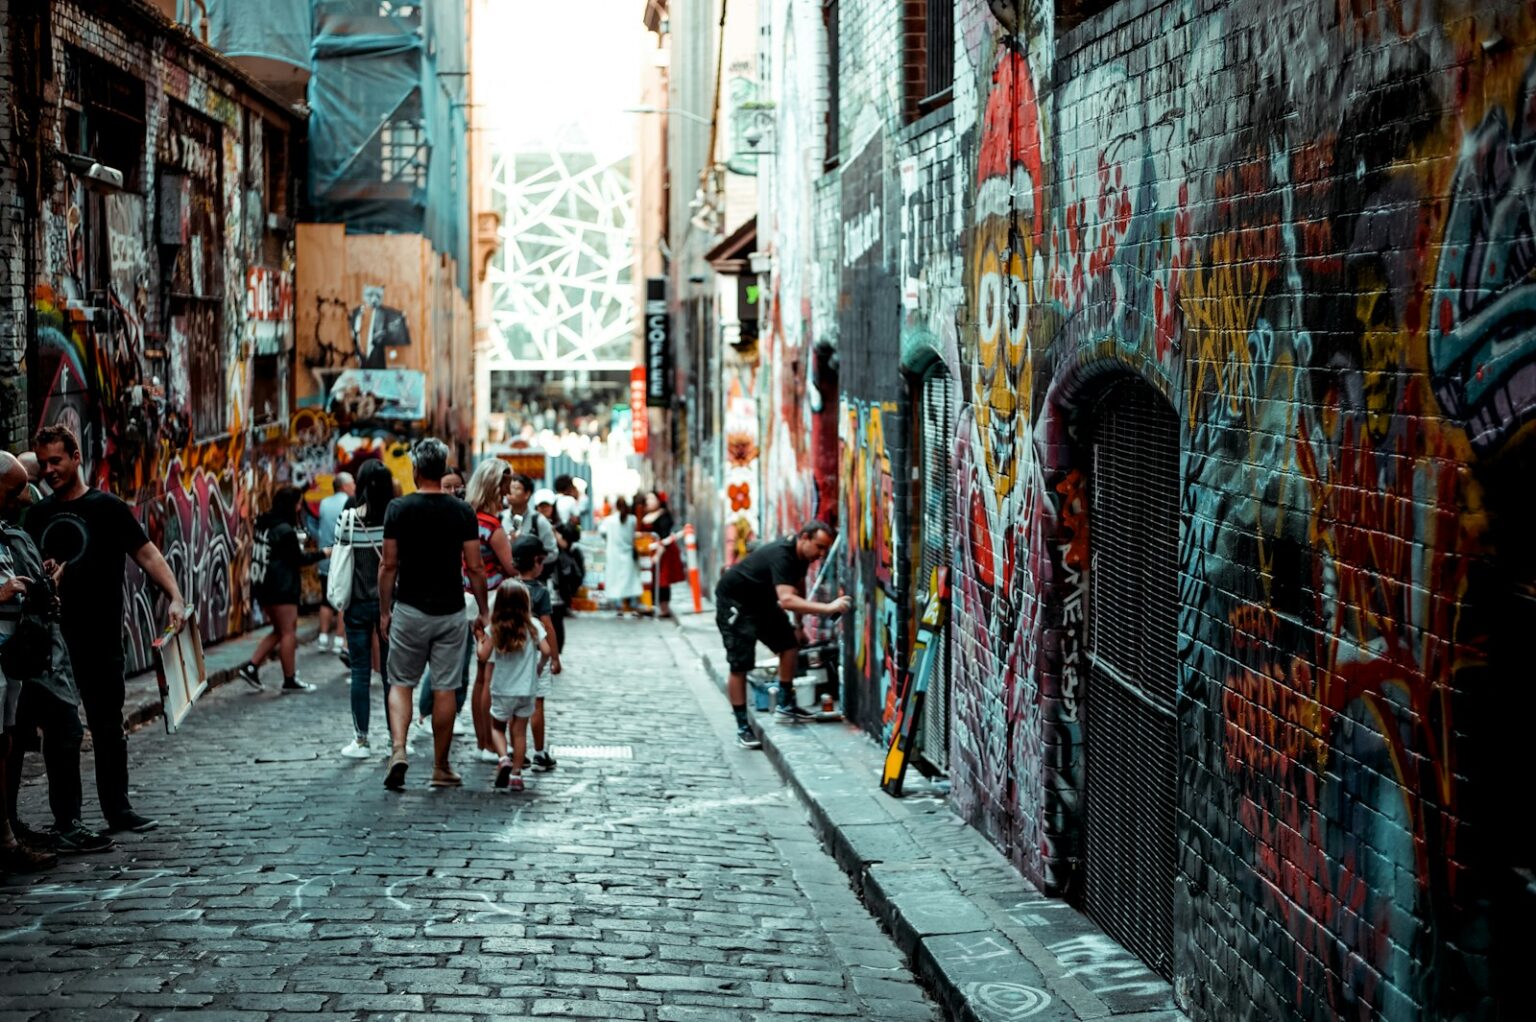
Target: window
{"x": 829, "y": 17}
{"x": 404, "y": 155}
{"x": 929, "y": 60}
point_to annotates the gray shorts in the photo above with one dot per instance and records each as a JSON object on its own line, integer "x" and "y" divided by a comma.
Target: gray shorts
{"x": 417, "y": 639}
{"x": 504, "y": 708}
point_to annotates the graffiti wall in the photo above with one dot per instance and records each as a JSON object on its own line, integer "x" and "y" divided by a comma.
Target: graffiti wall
{"x": 383, "y": 334}
{"x": 1306, "y": 230}
{"x": 796, "y": 381}
{"x": 142, "y": 339}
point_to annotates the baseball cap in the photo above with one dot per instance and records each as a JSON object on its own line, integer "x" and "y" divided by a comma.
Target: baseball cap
{"x": 526, "y": 549}
{"x": 543, "y": 497}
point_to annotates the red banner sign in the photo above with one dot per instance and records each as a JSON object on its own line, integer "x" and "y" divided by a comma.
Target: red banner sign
{"x": 639, "y": 424}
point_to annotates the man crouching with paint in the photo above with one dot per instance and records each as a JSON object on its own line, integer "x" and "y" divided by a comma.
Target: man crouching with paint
{"x": 752, "y": 602}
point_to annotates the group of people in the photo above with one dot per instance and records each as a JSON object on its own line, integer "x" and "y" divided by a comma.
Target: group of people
{"x": 456, "y": 593}
{"x": 62, "y": 564}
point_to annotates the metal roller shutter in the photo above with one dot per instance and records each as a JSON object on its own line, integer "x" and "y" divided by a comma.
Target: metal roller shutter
{"x": 1130, "y": 728}
{"x": 938, "y": 425}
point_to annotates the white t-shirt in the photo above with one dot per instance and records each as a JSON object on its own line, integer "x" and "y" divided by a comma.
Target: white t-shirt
{"x": 515, "y": 674}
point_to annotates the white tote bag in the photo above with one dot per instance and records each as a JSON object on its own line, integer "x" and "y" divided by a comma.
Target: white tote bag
{"x": 338, "y": 585}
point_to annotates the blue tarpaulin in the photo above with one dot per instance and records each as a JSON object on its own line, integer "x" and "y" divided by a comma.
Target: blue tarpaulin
{"x": 388, "y": 127}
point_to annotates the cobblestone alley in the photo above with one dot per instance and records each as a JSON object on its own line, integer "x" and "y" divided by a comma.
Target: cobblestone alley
{"x": 673, "y": 878}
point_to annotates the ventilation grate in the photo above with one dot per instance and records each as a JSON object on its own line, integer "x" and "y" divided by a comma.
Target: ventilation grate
{"x": 1130, "y": 731}
{"x": 593, "y": 751}
{"x": 938, "y": 531}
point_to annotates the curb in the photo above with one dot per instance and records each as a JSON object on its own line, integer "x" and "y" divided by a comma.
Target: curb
{"x": 976, "y": 933}
{"x": 150, "y": 707}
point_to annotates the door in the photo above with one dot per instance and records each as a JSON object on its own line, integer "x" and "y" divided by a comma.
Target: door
{"x": 1129, "y": 729}
{"x": 936, "y": 421}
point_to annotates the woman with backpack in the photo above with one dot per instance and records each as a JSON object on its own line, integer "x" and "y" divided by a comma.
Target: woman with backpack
{"x": 276, "y": 561}
{"x": 360, "y": 540}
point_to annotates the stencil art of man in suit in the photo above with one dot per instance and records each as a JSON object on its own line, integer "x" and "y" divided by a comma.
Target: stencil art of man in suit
{"x": 375, "y": 327}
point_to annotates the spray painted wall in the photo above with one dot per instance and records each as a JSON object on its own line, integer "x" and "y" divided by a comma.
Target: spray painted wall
{"x": 156, "y": 305}
{"x": 1304, "y": 228}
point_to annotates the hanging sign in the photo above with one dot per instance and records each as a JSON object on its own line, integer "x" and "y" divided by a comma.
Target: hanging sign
{"x": 639, "y": 421}
{"x": 658, "y": 343}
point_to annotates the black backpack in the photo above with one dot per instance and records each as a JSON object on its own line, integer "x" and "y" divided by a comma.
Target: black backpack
{"x": 569, "y": 574}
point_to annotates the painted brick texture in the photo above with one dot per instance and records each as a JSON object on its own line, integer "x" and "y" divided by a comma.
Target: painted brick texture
{"x": 1302, "y": 229}
{"x": 149, "y": 305}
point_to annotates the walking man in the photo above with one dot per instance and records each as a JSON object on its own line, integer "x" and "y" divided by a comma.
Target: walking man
{"x": 751, "y": 604}
{"x": 88, "y": 533}
{"x": 331, "y": 507}
{"x": 426, "y": 536}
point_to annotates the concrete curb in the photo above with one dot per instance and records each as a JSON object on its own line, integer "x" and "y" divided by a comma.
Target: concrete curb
{"x": 143, "y": 704}
{"x": 987, "y": 944}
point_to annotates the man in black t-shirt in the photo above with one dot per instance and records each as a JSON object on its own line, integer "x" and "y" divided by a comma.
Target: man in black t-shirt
{"x": 85, "y": 534}
{"x": 751, "y": 602}
{"x": 421, "y": 604}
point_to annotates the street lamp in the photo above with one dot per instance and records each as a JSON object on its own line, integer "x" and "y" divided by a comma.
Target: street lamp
{"x": 667, "y": 110}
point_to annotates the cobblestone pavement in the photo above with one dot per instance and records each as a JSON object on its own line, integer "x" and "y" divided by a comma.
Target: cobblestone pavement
{"x": 683, "y": 883}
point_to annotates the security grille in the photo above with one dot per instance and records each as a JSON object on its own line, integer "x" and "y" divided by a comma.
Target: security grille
{"x": 938, "y": 427}
{"x": 1129, "y": 730}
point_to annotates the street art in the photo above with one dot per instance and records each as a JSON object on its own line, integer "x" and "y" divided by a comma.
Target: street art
{"x": 741, "y": 463}
{"x": 1336, "y": 300}
{"x": 133, "y": 353}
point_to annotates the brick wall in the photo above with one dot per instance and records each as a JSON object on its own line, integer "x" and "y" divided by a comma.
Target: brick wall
{"x": 1298, "y": 228}
{"x": 147, "y": 320}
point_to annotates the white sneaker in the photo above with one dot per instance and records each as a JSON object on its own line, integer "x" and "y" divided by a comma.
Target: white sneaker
{"x": 486, "y": 756}
{"x": 323, "y": 644}
{"x": 357, "y": 749}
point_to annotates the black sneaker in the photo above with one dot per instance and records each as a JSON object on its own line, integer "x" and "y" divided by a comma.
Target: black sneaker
{"x": 345, "y": 655}
{"x": 296, "y": 686}
{"x": 543, "y": 762}
{"x": 793, "y": 715}
{"x": 249, "y": 675}
{"x": 39, "y": 840}
{"x": 747, "y": 738}
{"x": 131, "y": 820}
{"x": 80, "y": 839}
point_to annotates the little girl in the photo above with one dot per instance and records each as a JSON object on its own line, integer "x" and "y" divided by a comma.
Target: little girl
{"x": 515, "y": 649}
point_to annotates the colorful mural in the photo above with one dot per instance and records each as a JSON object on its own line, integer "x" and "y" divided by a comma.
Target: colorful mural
{"x": 147, "y": 325}
{"x": 1319, "y": 256}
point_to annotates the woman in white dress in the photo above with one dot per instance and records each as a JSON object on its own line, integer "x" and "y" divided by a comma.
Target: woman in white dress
{"x": 622, "y": 575}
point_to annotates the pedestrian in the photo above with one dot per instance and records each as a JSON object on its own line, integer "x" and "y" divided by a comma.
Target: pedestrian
{"x": 528, "y": 557}
{"x": 22, "y": 582}
{"x": 454, "y": 484}
{"x": 487, "y": 493}
{"x": 751, "y": 603}
{"x": 666, "y": 558}
{"x": 89, "y": 532}
{"x": 362, "y": 528}
{"x": 425, "y": 536}
{"x": 521, "y": 519}
{"x": 621, "y": 574}
{"x": 31, "y": 495}
{"x": 544, "y": 505}
{"x": 513, "y": 653}
{"x": 277, "y": 559}
{"x": 343, "y": 489}
{"x": 567, "y": 503}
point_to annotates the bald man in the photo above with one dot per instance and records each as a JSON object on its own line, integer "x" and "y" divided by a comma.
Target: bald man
{"x": 343, "y": 488}
{"x": 21, "y": 569}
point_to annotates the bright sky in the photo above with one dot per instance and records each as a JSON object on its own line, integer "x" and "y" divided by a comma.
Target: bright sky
{"x": 547, "y": 65}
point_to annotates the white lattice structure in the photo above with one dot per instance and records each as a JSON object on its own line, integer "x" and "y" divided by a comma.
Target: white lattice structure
{"x": 561, "y": 290}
